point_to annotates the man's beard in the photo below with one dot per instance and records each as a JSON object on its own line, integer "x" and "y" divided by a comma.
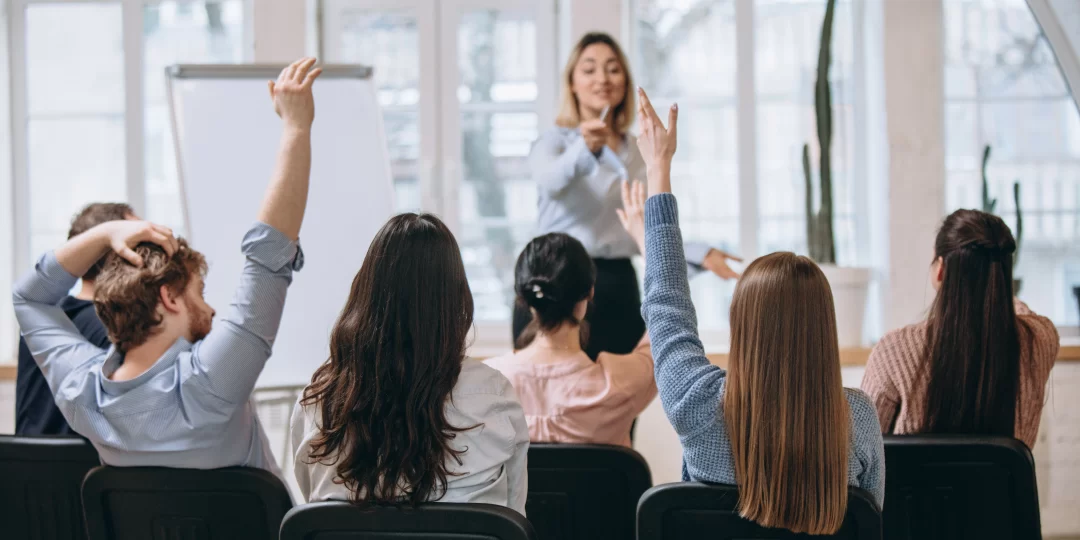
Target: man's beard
{"x": 200, "y": 326}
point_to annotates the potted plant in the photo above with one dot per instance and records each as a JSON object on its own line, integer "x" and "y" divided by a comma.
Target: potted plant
{"x": 849, "y": 284}
{"x": 988, "y": 206}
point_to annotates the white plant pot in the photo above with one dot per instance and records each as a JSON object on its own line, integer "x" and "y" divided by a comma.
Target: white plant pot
{"x": 850, "y": 287}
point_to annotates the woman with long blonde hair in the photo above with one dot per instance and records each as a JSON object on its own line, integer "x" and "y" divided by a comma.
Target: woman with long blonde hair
{"x": 778, "y": 423}
{"x": 578, "y": 165}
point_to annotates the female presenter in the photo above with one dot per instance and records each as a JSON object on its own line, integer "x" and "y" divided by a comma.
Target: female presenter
{"x": 578, "y": 166}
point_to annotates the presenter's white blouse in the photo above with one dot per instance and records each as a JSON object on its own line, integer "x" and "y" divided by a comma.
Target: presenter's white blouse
{"x": 493, "y": 468}
{"x": 578, "y": 193}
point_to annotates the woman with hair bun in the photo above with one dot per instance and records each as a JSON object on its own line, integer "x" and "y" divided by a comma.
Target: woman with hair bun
{"x": 567, "y": 397}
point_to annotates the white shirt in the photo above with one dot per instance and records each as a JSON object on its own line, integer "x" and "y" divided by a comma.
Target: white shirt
{"x": 578, "y": 193}
{"x": 494, "y": 462}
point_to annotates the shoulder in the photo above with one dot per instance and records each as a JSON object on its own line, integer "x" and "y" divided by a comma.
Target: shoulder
{"x": 865, "y": 427}
{"x": 862, "y": 408}
{"x": 479, "y": 378}
{"x": 905, "y": 343}
{"x": 500, "y": 363}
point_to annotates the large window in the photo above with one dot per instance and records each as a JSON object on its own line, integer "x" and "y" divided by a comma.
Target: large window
{"x": 89, "y": 110}
{"x": 1004, "y": 89}
{"x": 97, "y": 126}
{"x": 465, "y": 86}
{"x": 737, "y": 190}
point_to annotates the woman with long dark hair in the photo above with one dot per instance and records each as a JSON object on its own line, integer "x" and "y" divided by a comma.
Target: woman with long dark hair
{"x": 398, "y": 414}
{"x": 979, "y": 363}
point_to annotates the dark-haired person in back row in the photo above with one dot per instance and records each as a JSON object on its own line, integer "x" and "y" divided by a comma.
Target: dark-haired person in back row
{"x": 980, "y": 362}
{"x": 35, "y": 409}
{"x": 398, "y": 413}
{"x": 566, "y": 396}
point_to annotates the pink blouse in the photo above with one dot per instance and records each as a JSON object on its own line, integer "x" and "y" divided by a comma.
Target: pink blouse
{"x": 581, "y": 401}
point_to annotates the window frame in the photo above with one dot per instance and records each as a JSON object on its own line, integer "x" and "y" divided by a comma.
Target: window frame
{"x": 441, "y": 169}
{"x": 134, "y": 118}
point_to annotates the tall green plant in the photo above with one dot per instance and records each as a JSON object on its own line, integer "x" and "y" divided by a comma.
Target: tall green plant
{"x": 819, "y": 225}
{"x": 989, "y": 204}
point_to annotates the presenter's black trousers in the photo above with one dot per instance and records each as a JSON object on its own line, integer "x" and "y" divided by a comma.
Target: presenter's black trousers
{"x": 615, "y": 323}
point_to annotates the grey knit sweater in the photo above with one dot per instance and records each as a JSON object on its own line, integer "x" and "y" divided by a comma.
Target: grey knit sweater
{"x": 692, "y": 389}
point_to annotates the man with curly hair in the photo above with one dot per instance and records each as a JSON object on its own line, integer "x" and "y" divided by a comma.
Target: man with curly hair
{"x": 172, "y": 391}
{"x": 35, "y": 411}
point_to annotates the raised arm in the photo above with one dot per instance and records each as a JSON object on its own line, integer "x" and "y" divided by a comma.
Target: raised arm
{"x": 53, "y": 341}
{"x": 228, "y": 362}
{"x": 689, "y": 385}
{"x": 286, "y": 197}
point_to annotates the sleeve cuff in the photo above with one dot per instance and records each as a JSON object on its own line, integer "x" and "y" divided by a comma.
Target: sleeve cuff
{"x": 661, "y": 209}
{"x": 272, "y": 249}
{"x": 585, "y": 162}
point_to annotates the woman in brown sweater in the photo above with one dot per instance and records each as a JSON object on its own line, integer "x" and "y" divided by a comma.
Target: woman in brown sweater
{"x": 979, "y": 363}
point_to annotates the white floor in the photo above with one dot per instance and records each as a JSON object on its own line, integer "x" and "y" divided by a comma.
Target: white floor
{"x": 1057, "y": 452}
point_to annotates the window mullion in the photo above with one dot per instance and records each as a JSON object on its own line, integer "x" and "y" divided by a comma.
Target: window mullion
{"x": 746, "y": 127}
{"x": 133, "y": 105}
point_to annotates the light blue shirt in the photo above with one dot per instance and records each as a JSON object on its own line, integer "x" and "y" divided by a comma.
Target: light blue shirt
{"x": 193, "y": 407}
{"x": 579, "y": 192}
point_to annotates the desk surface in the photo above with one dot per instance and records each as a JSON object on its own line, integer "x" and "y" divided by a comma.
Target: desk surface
{"x": 848, "y": 358}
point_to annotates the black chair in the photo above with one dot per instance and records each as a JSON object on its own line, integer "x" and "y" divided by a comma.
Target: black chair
{"x": 144, "y": 503}
{"x": 40, "y": 478}
{"x": 958, "y": 487}
{"x": 585, "y": 492}
{"x": 434, "y": 521}
{"x": 692, "y": 510}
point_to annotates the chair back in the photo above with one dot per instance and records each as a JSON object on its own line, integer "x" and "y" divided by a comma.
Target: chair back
{"x": 39, "y": 490}
{"x": 432, "y": 521}
{"x": 155, "y": 503}
{"x": 585, "y": 492}
{"x": 957, "y": 487}
{"x": 693, "y": 510}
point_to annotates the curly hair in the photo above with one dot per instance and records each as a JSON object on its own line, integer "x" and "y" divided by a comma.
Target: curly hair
{"x": 126, "y": 297}
{"x": 92, "y": 215}
{"x": 395, "y": 356}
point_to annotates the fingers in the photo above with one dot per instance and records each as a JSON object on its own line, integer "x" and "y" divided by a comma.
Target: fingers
{"x": 270, "y": 85}
{"x": 623, "y": 218}
{"x": 289, "y": 72}
{"x": 166, "y": 242}
{"x": 646, "y": 120}
{"x": 311, "y": 76}
{"x": 672, "y": 121}
{"x": 646, "y": 106}
{"x": 730, "y": 256}
{"x": 301, "y": 71}
{"x": 130, "y": 256}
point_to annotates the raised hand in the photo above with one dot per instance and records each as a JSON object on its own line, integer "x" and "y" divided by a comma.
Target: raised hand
{"x": 291, "y": 93}
{"x": 126, "y": 234}
{"x": 656, "y": 143}
{"x": 632, "y": 214}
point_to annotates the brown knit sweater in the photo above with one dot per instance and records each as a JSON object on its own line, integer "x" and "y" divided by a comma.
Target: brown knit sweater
{"x": 892, "y": 375}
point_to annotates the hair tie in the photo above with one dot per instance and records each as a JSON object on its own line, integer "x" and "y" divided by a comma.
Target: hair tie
{"x": 537, "y": 291}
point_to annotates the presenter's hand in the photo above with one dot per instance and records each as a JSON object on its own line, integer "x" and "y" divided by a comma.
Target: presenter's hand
{"x": 596, "y": 133}
{"x": 291, "y": 93}
{"x": 716, "y": 261}
{"x": 657, "y": 143}
{"x": 632, "y": 214}
{"x": 124, "y": 235}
